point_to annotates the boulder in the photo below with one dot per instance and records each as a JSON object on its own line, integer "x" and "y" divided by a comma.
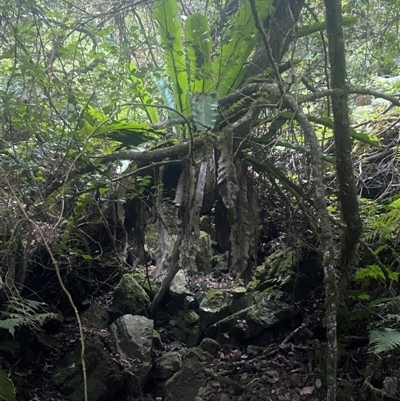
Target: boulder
{"x": 210, "y": 345}
{"x": 147, "y": 283}
{"x": 215, "y": 306}
{"x": 179, "y": 286}
{"x": 204, "y": 256}
{"x": 167, "y": 365}
{"x": 95, "y": 316}
{"x": 134, "y": 338}
{"x": 129, "y": 297}
{"x": 184, "y": 385}
{"x": 104, "y": 379}
{"x": 187, "y": 328}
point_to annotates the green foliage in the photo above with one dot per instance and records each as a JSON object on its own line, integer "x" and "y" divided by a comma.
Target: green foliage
{"x": 237, "y": 44}
{"x": 384, "y": 340}
{"x": 165, "y": 12}
{"x": 198, "y": 42}
{"x": 205, "y": 110}
{"x": 7, "y": 390}
{"x": 24, "y": 312}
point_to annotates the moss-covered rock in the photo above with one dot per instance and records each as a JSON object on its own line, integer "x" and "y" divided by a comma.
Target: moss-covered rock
{"x": 215, "y": 305}
{"x": 278, "y": 264}
{"x": 103, "y": 377}
{"x": 95, "y": 316}
{"x": 205, "y": 254}
{"x": 167, "y": 365}
{"x": 129, "y": 297}
{"x": 149, "y": 285}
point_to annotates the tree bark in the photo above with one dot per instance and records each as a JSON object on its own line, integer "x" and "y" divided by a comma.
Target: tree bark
{"x": 326, "y": 246}
{"x": 344, "y": 166}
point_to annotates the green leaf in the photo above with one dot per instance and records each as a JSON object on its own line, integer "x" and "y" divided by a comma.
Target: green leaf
{"x": 129, "y": 133}
{"x": 383, "y": 340}
{"x": 328, "y": 122}
{"x": 142, "y": 93}
{"x": 359, "y": 136}
{"x": 7, "y": 390}
{"x": 198, "y": 38}
{"x": 240, "y": 39}
{"x": 171, "y": 40}
{"x": 166, "y": 95}
{"x": 371, "y": 271}
{"x": 320, "y": 26}
{"x": 205, "y": 110}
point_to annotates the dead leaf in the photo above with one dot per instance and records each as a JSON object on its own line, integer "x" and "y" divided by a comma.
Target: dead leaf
{"x": 307, "y": 390}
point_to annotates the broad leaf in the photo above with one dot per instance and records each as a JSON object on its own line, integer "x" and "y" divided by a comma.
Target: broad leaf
{"x": 205, "y": 110}
{"x": 239, "y": 41}
{"x": 139, "y": 89}
{"x": 166, "y": 95}
{"x": 321, "y": 26}
{"x": 328, "y": 122}
{"x": 165, "y": 12}
{"x": 129, "y": 133}
{"x": 359, "y": 136}
{"x": 198, "y": 40}
{"x": 7, "y": 390}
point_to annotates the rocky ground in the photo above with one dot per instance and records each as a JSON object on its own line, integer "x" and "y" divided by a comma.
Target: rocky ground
{"x": 278, "y": 364}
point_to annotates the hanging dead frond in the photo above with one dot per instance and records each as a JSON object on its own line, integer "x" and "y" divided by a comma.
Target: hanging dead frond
{"x": 240, "y": 230}
{"x": 195, "y": 183}
{"x": 227, "y": 181}
{"x": 163, "y": 237}
{"x": 209, "y": 187}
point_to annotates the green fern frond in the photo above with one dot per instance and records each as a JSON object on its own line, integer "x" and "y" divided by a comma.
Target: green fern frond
{"x": 12, "y": 323}
{"x": 24, "y": 312}
{"x": 371, "y": 272}
{"x": 383, "y": 340}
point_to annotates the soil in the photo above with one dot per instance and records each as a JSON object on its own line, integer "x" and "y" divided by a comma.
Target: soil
{"x": 283, "y": 364}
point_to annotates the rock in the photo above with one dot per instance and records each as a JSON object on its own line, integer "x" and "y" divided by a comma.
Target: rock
{"x": 241, "y": 301}
{"x": 179, "y": 286}
{"x": 277, "y": 265}
{"x": 167, "y": 365}
{"x": 95, "y": 316}
{"x": 104, "y": 379}
{"x": 190, "y": 302}
{"x": 220, "y": 263}
{"x": 199, "y": 354}
{"x": 190, "y": 318}
{"x": 134, "y": 338}
{"x": 185, "y": 384}
{"x": 215, "y": 306}
{"x": 147, "y": 283}
{"x": 204, "y": 256}
{"x": 259, "y": 318}
{"x": 209, "y": 345}
{"x": 129, "y": 297}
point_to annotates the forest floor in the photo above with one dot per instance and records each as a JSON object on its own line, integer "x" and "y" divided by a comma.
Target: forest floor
{"x": 282, "y": 364}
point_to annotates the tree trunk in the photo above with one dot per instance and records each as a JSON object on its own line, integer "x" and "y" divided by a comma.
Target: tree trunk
{"x": 341, "y": 129}
{"x": 326, "y": 246}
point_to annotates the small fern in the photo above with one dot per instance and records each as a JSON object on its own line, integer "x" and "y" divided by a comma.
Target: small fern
{"x": 383, "y": 340}
{"x": 24, "y": 312}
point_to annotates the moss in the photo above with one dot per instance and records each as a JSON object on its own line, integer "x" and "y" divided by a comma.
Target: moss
{"x": 215, "y": 301}
{"x": 129, "y": 296}
{"x": 190, "y": 317}
{"x": 103, "y": 377}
